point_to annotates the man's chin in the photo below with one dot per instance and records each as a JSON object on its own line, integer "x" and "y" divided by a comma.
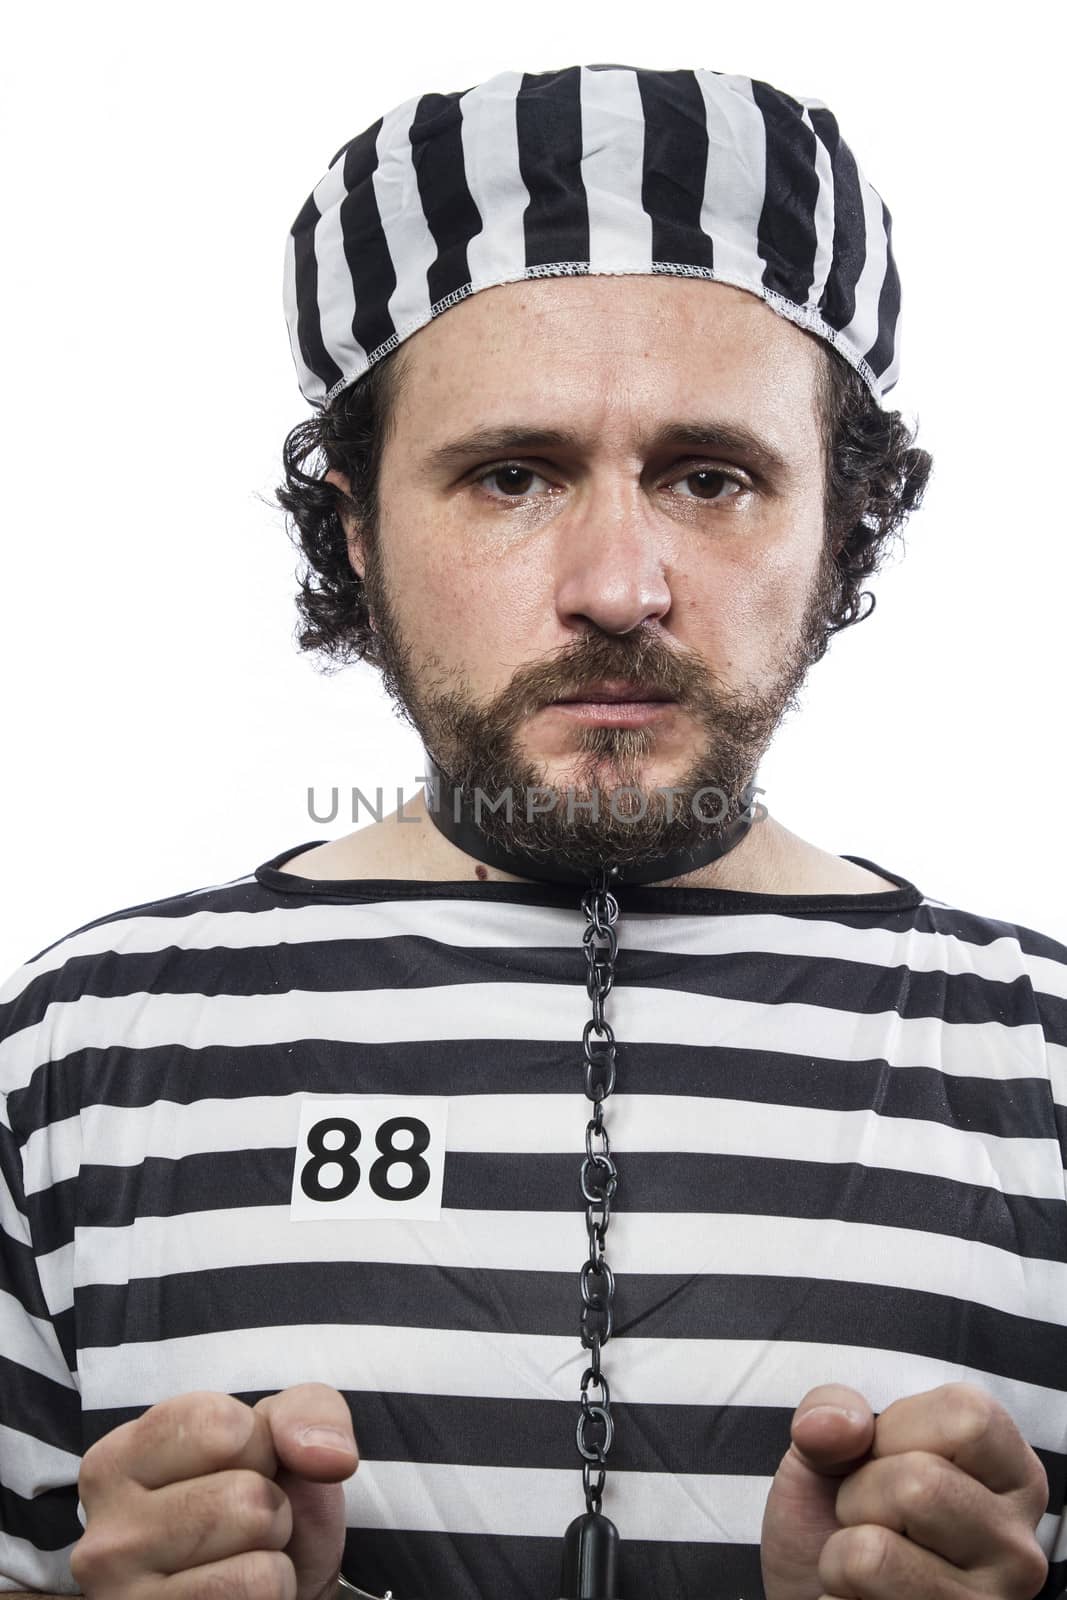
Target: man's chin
{"x": 580, "y": 827}
{"x": 607, "y": 772}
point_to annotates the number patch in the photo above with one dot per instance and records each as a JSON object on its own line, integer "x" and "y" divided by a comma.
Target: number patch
{"x": 369, "y": 1158}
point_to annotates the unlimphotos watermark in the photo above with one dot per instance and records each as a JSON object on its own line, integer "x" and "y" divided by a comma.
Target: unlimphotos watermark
{"x": 708, "y": 804}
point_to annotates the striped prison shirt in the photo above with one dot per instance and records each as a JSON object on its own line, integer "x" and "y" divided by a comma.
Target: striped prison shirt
{"x": 839, "y": 1123}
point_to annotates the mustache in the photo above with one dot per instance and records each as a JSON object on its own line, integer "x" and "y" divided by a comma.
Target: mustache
{"x": 642, "y": 659}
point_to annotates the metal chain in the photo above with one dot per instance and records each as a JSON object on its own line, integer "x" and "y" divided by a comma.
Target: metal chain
{"x": 599, "y": 1181}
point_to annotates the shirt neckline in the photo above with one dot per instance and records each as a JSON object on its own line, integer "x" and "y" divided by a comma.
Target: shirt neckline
{"x": 636, "y": 897}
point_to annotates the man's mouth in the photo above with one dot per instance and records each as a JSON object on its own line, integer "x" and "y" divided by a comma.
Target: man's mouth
{"x": 613, "y": 693}
{"x": 615, "y": 703}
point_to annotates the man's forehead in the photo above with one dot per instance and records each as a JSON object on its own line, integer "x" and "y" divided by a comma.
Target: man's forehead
{"x": 563, "y": 360}
{"x": 605, "y": 312}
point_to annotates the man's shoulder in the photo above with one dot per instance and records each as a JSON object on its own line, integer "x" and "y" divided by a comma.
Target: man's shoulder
{"x": 109, "y": 928}
{"x": 982, "y": 928}
{"x": 1025, "y": 965}
{"x": 85, "y": 960}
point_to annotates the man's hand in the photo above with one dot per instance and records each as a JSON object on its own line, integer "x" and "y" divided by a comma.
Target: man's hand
{"x": 939, "y": 1501}
{"x": 219, "y": 1498}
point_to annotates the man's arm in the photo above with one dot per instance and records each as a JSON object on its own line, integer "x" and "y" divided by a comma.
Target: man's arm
{"x": 41, "y": 1440}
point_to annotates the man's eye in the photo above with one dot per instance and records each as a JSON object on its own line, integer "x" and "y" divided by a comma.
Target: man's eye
{"x": 712, "y": 481}
{"x": 512, "y": 479}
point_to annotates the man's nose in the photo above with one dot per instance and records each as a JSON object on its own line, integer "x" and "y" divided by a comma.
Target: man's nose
{"x": 611, "y": 559}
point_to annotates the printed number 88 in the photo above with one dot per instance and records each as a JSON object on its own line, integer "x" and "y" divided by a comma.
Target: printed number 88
{"x": 343, "y": 1156}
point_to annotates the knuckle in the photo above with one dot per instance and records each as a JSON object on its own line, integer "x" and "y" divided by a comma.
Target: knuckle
{"x": 1037, "y": 1488}
{"x": 213, "y": 1420}
{"x": 95, "y": 1467}
{"x": 1027, "y": 1567}
{"x": 863, "y": 1554}
{"x": 156, "y": 1425}
{"x": 973, "y": 1410}
{"x": 83, "y": 1561}
{"x": 920, "y": 1482}
{"x": 110, "y": 1540}
{"x": 255, "y": 1502}
{"x": 95, "y": 1555}
{"x": 259, "y": 1575}
{"x": 217, "y": 1421}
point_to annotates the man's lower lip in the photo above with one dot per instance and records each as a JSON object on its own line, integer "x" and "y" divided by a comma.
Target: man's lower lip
{"x": 628, "y": 713}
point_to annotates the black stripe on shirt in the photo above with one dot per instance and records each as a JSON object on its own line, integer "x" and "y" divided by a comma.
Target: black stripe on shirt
{"x": 463, "y": 1430}
{"x": 403, "y": 961}
{"x": 973, "y": 928}
{"x": 33, "y": 1404}
{"x": 529, "y": 1569}
{"x": 48, "y": 1520}
{"x": 1008, "y": 1108}
{"x": 707, "y": 1306}
{"x": 651, "y": 1182}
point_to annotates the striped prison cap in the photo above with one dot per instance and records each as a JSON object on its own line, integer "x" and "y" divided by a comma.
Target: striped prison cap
{"x": 589, "y": 169}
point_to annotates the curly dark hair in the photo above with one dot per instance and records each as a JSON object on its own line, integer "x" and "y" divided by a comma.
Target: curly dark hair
{"x": 875, "y": 477}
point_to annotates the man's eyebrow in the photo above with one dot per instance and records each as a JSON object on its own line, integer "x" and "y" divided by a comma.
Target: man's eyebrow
{"x": 707, "y": 437}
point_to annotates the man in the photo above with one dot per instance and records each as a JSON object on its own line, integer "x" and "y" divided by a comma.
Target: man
{"x": 295, "y": 1164}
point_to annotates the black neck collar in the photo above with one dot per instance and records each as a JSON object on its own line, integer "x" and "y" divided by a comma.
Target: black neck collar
{"x": 452, "y": 810}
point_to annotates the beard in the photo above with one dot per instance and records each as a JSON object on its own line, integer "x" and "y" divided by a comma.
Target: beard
{"x": 582, "y": 824}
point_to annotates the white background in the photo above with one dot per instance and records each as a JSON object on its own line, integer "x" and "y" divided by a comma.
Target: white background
{"x": 161, "y": 730}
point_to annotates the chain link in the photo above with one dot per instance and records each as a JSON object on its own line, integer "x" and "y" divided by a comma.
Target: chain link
{"x": 599, "y": 1181}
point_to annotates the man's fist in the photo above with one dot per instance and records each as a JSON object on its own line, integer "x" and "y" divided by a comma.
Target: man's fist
{"x": 937, "y": 1499}
{"x": 219, "y": 1498}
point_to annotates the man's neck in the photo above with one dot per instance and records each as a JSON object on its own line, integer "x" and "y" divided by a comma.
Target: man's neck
{"x": 409, "y": 845}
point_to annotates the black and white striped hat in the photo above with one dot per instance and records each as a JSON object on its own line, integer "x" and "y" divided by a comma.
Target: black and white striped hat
{"x": 589, "y": 169}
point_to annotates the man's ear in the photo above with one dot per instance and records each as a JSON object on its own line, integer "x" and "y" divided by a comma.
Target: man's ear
{"x": 341, "y": 481}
